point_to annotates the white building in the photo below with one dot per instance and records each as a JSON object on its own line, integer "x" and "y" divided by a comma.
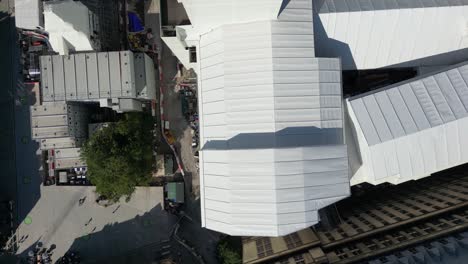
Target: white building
{"x": 121, "y": 80}
{"x": 271, "y": 121}
{"x": 274, "y": 144}
{"x": 412, "y": 129}
{"x": 28, "y": 14}
{"x": 61, "y": 127}
{"x": 369, "y": 34}
{"x": 71, "y": 26}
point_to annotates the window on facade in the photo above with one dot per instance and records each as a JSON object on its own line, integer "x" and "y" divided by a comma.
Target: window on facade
{"x": 264, "y": 247}
{"x": 293, "y": 240}
{"x": 299, "y": 259}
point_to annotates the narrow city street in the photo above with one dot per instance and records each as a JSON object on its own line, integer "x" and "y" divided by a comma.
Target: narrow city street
{"x": 203, "y": 240}
{"x": 172, "y": 110}
{"x": 58, "y": 220}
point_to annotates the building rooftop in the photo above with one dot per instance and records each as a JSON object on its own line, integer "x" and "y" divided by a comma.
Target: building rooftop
{"x": 93, "y": 76}
{"x": 412, "y": 129}
{"x": 272, "y": 129}
{"x": 335, "y": 6}
{"x": 271, "y": 124}
{"x": 70, "y": 26}
{"x": 28, "y": 14}
{"x": 372, "y": 34}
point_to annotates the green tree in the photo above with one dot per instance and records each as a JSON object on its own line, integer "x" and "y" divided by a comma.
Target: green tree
{"x": 229, "y": 250}
{"x": 119, "y": 156}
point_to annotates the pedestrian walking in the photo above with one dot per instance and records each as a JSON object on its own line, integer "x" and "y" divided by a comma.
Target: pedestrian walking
{"x": 89, "y": 221}
{"x": 115, "y": 210}
{"x": 81, "y": 201}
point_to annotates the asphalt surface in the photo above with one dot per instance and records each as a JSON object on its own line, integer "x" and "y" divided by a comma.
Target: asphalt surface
{"x": 172, "y": 107}
{"x": 18, "y": 159}
{"x": 7, "y": 106}
{"x": 202, "y": 240}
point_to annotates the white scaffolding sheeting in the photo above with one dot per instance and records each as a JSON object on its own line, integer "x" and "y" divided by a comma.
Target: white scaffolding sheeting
{"x": 404, "y": 36}
{"x": 412, "y": 129}
{"x": 271, "y": 127}
{"x": 28, "y": 14}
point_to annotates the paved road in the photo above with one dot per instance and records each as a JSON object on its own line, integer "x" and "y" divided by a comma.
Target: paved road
{"x": 56, "y": 218}
{"x": 172, "y": 104}
{"x": 7, "y": 105}
{"x": 18, "y": 158}
{"x": 203, "y": 240}
{"x": 95, "y": 231}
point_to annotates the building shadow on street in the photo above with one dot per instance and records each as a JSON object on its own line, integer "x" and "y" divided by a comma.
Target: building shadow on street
{"x": 143, "y": 239}
{"x": 20, "y": 163}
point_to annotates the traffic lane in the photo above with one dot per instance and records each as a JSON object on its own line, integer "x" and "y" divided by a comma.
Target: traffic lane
{"x": 203, "y": 240}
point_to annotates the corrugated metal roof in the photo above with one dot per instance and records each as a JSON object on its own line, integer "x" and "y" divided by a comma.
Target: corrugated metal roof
{"x": 413, "y": 106}
{"x": 70, "y": 25}
{"x": 91, "y": 76}
{"x": 412, "y": 129}
{"x": 59, "y": 120}
{"x": 335, "y": 6}
{"x": 206, "y": 14}
{"x": 271, "y": 127}
{"x": 408, "y": 37}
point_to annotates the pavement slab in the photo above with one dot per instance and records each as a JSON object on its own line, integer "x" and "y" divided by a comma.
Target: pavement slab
{"x": 91, "y": 229}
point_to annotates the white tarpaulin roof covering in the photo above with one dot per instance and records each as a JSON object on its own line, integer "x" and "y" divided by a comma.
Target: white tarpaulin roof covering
{"x": 271, "y": 126}
{"x": 97, "y": 75}
{"x": 70, "y": 25}
{"x": 28, "y": 14}
{"x": 413, "y": 129}
{"x": 383, "y": 34}
{"x": 207, "y": 14}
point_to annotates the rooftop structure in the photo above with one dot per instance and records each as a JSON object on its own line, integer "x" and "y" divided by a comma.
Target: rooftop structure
{"x": 61, "y": 127}
{"x": 70, "y": 26}
{"x": 28, "y": 14}
{"x": 114, "y": 79}
{"x": 372, "y": 34}
{"x": 274, "y": 145}
{"x": 412, "y": 129}
{"x": 85, "y": 25}
{"x": 205, "y": 16}
{"x": 122, "y": 81}
{"x": 271, "y": 121}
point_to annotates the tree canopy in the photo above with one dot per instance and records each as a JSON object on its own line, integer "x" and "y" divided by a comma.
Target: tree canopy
{"x": 119, "y": 156}
{"x": 230, "y": 250}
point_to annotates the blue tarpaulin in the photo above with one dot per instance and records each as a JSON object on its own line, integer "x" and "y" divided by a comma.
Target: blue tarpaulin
{"x": 134, "y": 23}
